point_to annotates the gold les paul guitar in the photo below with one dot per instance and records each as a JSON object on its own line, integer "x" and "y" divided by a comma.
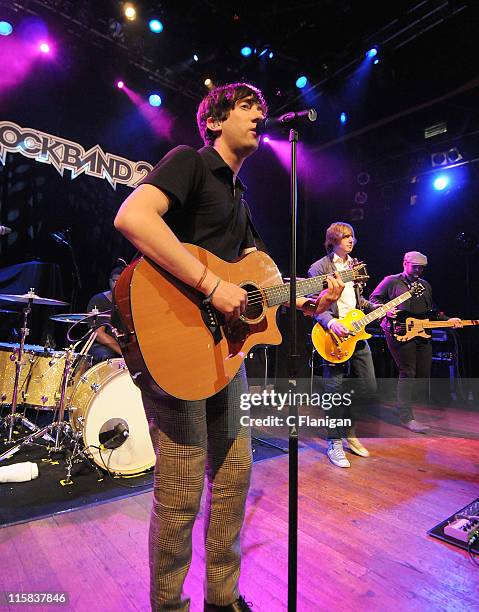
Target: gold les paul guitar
{"x": 172, "y": 342}
{"x": 335, "y": 349}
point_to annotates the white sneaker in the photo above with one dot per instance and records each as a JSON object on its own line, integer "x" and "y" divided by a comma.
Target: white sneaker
{"x": 355, "y": 445}
{"x": 336, "y": 454}
{"x": 416, "y": 427}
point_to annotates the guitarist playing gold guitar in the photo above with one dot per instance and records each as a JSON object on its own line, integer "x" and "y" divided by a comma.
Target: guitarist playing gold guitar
{"x": 339, "y": 243}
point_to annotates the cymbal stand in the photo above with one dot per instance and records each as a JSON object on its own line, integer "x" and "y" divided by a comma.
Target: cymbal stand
{"x": 14, "y": 416}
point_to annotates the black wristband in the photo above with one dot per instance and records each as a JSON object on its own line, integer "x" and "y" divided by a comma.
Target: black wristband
{"x": 209, "y": 297}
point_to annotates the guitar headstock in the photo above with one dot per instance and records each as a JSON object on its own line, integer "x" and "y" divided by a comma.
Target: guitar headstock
{"x": 417, "y": 289}
{"x": 359, "y": 271}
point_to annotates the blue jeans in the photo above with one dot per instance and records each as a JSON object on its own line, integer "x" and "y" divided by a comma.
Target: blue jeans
{"x": 361, "y": 368}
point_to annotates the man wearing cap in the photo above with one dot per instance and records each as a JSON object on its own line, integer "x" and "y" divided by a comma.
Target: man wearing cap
{"x": 414, "y": 357}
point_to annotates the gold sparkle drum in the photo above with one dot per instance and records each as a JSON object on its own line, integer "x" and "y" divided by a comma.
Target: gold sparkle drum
{"x": 45, "y": 377}
{"x": 8, "y": 352}
{"x": 106, "y": 407}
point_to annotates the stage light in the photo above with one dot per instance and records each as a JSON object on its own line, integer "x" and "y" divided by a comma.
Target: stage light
{"x": 441, "y": 182}
{"x": 156, "y": 26}
{"x": 263, "y": 52}
{"x": 266, "y": 139}
{"x": 301, "y": 82}
{"x": 5, "y": 28}
{"x": 196, "y": 58}
{"x": 376, "y": 62}
{"x": 246, "y": 51}
{"x": 371, "y": 53}
{"x": 154, "y": 100}
{"x": 271, "y": 55}
{"x": 130, "y": 11}
{"x": 343, "y": 118}
{"x": 209, "y": 83}
{"x": 120, "y": 84}
{"x": 44, "y": 47}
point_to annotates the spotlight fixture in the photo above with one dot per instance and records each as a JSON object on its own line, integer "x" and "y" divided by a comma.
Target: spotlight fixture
{"x": 301, "y": 82}
{"x": 155, "y": 26}
{"x": 266, "y": 139}
{"x": 130, "y": 11}
{"x": 209, "y": 83}
{"x": 443, "y": 158}
{"x": 6, "y": 28}
{"x": 270, "y": 55}
{"x": 343, "y": 118}
{"x": 246, "y": 51}
{"x": 441, "y": 182}
{"x": 196, "y": 58}
{"x": 120, "y": 84}
{"x": 44, "y": 47}
{"x": 155, "y": 100}
{"x": 372, "y": 52}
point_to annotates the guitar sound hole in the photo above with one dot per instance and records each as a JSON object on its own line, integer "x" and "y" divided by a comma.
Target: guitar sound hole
{"x": 255, "y": 303}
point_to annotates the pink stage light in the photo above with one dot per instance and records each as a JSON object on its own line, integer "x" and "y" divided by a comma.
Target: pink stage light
{"x": 120, "y": 84}
{"x": 266, "y": 139}
{"x": 44, "y": 47}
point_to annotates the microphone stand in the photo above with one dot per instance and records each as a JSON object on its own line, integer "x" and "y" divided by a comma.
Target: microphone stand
{"x": 76, "y": 285}
{"x": 293, "y": 358}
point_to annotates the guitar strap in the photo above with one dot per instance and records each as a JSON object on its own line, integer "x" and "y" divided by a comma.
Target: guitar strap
{"x": 259, "y": 242}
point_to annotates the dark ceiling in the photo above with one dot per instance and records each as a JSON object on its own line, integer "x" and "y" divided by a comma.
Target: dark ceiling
{"x": 427, "y": 49}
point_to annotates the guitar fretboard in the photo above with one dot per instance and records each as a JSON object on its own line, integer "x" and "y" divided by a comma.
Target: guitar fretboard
{"x": 380, "y": 312}
{"x": 279, "y": 294}
{"x": 433, "y": 324}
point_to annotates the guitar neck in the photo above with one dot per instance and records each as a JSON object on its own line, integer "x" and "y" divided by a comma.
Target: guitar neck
{"x": 279, "y": 294}
{"x": 380, "y": 312}
{"x": 435, "y": 324}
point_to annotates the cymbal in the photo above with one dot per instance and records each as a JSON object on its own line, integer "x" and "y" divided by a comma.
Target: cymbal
{"x": 26, "y": 297}
{"x": 82, "y": 317}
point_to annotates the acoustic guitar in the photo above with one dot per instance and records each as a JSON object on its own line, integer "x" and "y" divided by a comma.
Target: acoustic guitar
{"x": 407, "y": 326}
{"x": 171, "y": 342}
{"x": 335, "y": 349}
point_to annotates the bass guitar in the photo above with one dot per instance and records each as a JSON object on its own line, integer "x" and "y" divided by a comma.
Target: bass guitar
{"x": 335, "y": 349}
{"x": 171, "y": 342}
{"x": 407, "y": 326}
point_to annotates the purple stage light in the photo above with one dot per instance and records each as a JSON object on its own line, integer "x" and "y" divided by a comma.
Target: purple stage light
{"x": 44, "y": 47}
{"x": 266, "y": 139}
{"x": 120, "y": 84}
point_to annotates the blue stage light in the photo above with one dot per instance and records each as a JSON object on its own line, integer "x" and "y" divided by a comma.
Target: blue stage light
{"x": 246, "y": 51}
{"x": 5, "y": 28}
{"x": 154, "y": 100}
{"x": 343, "y": 118}
{"x": 156, "y": 26}
{"x": 301, "y": 82}
{"x": 271, "y": 55}
{"x": 441, "y": 182}
{"x": 372, "y": 53}
{"x": 376, "y": 61}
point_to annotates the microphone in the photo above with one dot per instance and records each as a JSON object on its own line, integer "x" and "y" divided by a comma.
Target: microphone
{"x": 288, "y": 120}
{"x": 60, "y": 238}
{"x": 4, "y": 230}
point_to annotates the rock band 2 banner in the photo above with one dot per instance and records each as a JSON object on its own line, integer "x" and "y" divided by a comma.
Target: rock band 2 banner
{"x": 64, "y": 155}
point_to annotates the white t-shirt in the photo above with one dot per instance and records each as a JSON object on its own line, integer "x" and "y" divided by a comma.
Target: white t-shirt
{"x": 347, "y": 301}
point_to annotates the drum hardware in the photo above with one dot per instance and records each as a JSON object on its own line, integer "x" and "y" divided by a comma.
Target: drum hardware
{"x": 28, "y": 299}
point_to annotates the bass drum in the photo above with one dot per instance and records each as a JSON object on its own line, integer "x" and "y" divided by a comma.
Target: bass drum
{"x": 106, "y": 408}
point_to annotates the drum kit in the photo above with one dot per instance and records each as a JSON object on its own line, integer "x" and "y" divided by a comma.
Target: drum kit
{"x": 97, "y": 411}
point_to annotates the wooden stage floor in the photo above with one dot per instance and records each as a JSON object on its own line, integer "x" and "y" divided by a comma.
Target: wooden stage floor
{"x": 362, "y": 537}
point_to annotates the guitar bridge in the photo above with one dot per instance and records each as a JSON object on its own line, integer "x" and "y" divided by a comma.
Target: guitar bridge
{"x": 210, "y": 319}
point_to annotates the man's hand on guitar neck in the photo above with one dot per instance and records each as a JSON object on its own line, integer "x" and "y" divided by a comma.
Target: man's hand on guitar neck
{"x": 456, "y": 321}
{"x": 325, "y": 299}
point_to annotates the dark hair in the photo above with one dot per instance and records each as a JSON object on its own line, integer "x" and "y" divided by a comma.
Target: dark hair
{"x": 118, "y": 269}
{"x": 218, "y": 103}
{"x": 335, "y": 233}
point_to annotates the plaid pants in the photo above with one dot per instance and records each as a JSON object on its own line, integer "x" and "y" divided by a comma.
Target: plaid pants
{"x": 190, "y": 438}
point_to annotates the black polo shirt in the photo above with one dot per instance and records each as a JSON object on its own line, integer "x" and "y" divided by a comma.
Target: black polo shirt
{"x": 205, "y": 208}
